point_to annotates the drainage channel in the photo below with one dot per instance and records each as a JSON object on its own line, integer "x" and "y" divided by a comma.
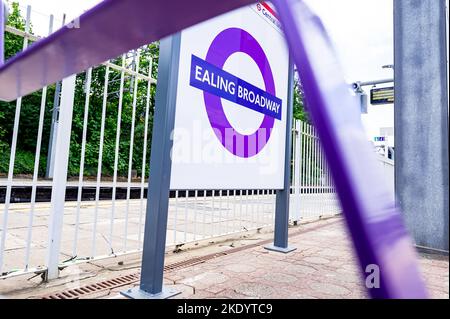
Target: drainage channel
{"x": 83, "y": 292}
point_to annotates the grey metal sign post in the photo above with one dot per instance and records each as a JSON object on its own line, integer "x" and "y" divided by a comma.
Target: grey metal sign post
{"x": 151, "y": 285}
{"x": 283, "y": 196}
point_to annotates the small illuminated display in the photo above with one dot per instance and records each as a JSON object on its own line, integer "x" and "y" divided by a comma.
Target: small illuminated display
{"x": 379, "y": 139}
{"x": 382, "y": 96}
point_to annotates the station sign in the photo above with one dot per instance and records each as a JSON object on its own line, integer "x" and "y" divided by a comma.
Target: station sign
{"x": 232, "y": 97}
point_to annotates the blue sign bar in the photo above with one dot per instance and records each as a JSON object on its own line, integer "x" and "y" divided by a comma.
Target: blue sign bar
{"x": 211, "y": 79}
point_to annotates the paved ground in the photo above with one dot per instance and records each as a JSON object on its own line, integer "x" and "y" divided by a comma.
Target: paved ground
{"x": 322, "y": 267}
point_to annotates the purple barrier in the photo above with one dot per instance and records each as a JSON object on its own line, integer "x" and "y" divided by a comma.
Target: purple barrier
{"x": 373, "y": 218}
{"x": 116, "y": 26}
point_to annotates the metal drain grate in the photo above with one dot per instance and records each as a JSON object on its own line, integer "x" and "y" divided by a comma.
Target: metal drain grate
{"x": 193, "y": 261}
{"x": 77, "y": 293}
{"x": 118, "y": 282}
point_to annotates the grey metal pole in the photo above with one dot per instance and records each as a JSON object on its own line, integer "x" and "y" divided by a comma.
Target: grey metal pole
{"x": 151, "y": 285}
{"x": 283, "y": 196}
{"x": 421, "y": 120}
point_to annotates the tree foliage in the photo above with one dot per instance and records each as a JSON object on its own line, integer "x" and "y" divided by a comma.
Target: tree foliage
{"x": 300, "y": 112}
{"x": 24, "y": 163}
{"x": 30, "y": 109}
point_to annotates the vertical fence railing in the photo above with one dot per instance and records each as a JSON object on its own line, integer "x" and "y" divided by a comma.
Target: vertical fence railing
{"x": 313, "y": 193}
{"x": 9, "y": 182}
{"x": 82, "y": 159}
{"x": 84, "y": 219}
{"x": 116, "y": 154}
{"x": 36, "y": 164}
{"x": 100, "y": 162}
{"x": 117, "y": 204}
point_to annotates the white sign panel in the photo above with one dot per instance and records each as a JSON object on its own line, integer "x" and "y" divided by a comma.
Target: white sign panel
{"x": 232, "y": 98}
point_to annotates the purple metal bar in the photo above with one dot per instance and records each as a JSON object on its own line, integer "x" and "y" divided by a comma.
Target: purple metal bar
{"x": 373, "y": 218}
{"x": 105, "y": 32}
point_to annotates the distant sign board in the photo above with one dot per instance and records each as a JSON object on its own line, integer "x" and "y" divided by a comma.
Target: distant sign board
{"x": 379, "y": 139}
{"x": 382, "y": 96}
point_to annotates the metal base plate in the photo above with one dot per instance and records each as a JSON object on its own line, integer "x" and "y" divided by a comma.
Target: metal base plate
{"x": 280, "y": 250}
{"x": 137, "y": 293}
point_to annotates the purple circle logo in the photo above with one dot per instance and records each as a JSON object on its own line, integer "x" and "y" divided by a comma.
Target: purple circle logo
{"x": 227, "y": 43}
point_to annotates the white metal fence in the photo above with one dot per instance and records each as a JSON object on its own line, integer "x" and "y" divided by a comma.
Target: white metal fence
{"x": 388, "y": 166}
{"x": 313, "y": 192}
{"x": 105, "y": 216}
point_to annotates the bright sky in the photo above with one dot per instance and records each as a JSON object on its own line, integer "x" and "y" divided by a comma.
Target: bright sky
{"x": 361, "y": 29}
{"x": 363, "y": 32}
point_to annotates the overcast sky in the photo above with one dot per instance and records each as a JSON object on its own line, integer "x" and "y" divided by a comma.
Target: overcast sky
{"x": 361, "y": 29}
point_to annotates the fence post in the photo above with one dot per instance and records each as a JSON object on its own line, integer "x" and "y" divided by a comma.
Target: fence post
{"x": 283, "y": 196}
{"x": 151, "y": 285}
{"x": 60, "y": 176}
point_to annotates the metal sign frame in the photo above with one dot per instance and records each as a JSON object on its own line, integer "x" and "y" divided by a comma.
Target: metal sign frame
{"x": 151, "y": 284}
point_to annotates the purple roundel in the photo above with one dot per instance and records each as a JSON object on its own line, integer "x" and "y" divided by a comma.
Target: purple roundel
{"x": 227, "y": 43}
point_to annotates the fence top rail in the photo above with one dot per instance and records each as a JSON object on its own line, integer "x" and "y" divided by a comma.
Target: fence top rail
{"x": 22, "y": 33}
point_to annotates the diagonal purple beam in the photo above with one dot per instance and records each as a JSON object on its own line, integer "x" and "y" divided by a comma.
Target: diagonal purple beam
{"x": 372, "y": 216}
{"x": 105, "y": 32}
